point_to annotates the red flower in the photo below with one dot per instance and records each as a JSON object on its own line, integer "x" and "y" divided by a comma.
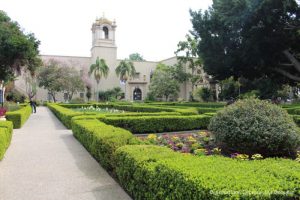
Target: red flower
{"x": 2, "y": 112}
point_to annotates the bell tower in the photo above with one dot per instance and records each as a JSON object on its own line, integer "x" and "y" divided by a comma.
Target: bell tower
{"x": 103, "y": 40}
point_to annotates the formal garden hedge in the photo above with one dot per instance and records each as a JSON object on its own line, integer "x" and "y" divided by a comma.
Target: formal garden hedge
{"x": 101, "y": 140}
{"x": 64, "y": 114}
{"x": 6, "y": 129}
{"x": 189, "y": 104}
{"x": 156, "y": 124}
{"x": 153, "y": 172}
{"x": 19, "y": 117}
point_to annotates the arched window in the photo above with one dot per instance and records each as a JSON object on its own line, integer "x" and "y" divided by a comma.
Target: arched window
{"x": 137, "y": 94}
{"x": 105, "y": 30}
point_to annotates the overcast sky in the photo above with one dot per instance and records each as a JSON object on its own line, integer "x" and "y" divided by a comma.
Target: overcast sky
{"x": 150, "y": 27}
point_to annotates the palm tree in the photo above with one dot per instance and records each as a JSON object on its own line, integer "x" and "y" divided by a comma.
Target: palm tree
{"x": 99, "y": 69}
{"x": 124, "y": 70}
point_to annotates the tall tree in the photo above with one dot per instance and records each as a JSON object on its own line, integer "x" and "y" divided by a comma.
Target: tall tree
{"x": 57, "y": 77}
{"x": 124, "y": 70}
{"x": 50, "y": 77}
{"x": 72, "y": 83}
{"x": 17, "y": 49}
{"x": 163, "y": 83}
{"x": 136, "y": 57}
{"x": 187, "y": 54}
{"x": 99, "y": 69}
{"x": 250, "y": 38}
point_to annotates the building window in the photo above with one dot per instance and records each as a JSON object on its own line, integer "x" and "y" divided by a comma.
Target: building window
{"x": 105, "y": 30}
{"x": 136, "y": 75}
{"x": 66, "y": 96}
{"x": 81, "y": 95}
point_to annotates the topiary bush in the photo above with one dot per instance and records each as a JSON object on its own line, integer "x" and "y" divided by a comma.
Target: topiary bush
{"x": 252, "y": 126}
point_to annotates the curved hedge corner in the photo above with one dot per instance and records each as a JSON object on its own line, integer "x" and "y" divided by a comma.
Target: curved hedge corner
{"x": 152, "y": 172}
{"x": 6, "y": 129}
{"x": 64, "y": 114}
{"x": 101, "y": 140}
{"x": 19, "y": 117}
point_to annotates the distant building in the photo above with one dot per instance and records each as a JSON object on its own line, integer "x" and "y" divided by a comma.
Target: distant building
{"x": 104, "y": 46}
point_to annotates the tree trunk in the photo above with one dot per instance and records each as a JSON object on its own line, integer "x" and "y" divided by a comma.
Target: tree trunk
{"x": 53, "y": 96}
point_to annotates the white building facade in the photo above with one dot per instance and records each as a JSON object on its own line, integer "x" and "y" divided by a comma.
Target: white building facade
{"x": 104, "y": 47}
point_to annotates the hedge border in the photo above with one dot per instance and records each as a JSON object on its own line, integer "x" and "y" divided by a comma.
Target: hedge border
{"x": 19, "y": 117}
{"x": 163, "y": 174}
{"x": 6, "y": 130}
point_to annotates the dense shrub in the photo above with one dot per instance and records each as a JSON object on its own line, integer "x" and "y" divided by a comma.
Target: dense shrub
{"x": 6, "y": 129}
{"x": 19, "y": 117}
{"x": 253, "y": 126}
{"x": 101, "y": 140}
{"x": 152, "y": 172}
{"x": 148, "y": 124}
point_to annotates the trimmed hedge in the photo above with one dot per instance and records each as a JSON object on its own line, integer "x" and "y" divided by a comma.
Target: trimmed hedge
{"x": 64, "y": 114}
{"x": 253, "y": 126}
{"x": 190, "y": 104}
{"x": 101, "y": 140}
{"x": 19, "y": 117}
{"x": 152, "y": 172}
{"x": 148, "y": 124}
{"x": 6, "y": 129}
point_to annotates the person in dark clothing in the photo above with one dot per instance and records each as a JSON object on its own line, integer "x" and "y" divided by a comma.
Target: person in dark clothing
{"x": 33, "y": 106}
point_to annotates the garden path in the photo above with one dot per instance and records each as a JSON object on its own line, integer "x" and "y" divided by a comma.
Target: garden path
{"x": 45, "y": 161}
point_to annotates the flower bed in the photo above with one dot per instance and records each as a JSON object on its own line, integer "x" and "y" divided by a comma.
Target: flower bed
{"x": 197, "y": 143}
{"x": 98, "y": 110}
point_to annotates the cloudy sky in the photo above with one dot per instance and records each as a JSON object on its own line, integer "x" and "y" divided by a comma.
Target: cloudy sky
{"x": 149, "y": 27}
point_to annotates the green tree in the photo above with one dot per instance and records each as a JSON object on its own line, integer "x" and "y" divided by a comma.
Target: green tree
{"x": 72, "y": 82}
{"x": 136, "y": 57}
{"x": 88, "y": 93}
{"x": 17, "y": 49}
{"x": 99, "y": 69}
{"x": 124, "y": 70}
{"x": 229, "y": 89}
{"x": 163, "y": 83}
{"x": 50, "y": 77}
{"x": 187, "y": 54}
{"x": 205, "y": 94}
{"x": 250, "y": 38}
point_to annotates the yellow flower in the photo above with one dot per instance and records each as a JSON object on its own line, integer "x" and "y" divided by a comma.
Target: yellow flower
{"x": 191, "y": 139}
{"x": 257, "y": 156}
{"x": 151, "y": 137}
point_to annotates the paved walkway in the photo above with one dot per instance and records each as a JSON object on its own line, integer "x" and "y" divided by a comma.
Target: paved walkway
{"x": 45, "y": 161}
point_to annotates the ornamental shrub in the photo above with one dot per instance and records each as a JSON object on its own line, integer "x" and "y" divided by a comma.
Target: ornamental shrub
{"x": 252, "y": 126}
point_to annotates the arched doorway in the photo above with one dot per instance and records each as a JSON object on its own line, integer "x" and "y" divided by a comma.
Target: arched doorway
{"x": 137, "y": 94}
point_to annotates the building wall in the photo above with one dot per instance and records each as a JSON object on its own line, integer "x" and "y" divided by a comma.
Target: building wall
{"x": 106, "y": 48}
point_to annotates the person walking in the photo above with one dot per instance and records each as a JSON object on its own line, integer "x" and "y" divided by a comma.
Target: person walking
{"x": 33, "y": 105}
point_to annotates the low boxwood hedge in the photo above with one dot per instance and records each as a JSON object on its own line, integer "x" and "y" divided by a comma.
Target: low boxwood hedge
{"x": 100, "y": 139}
{"x": 190, "y": 104}
{"x": 19, "y": 117}
{"x": 148, "y": 124}
{"x": 6, "y": 129}
{"x": 152, "y": 172}
{"x": 64, "y": 114}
